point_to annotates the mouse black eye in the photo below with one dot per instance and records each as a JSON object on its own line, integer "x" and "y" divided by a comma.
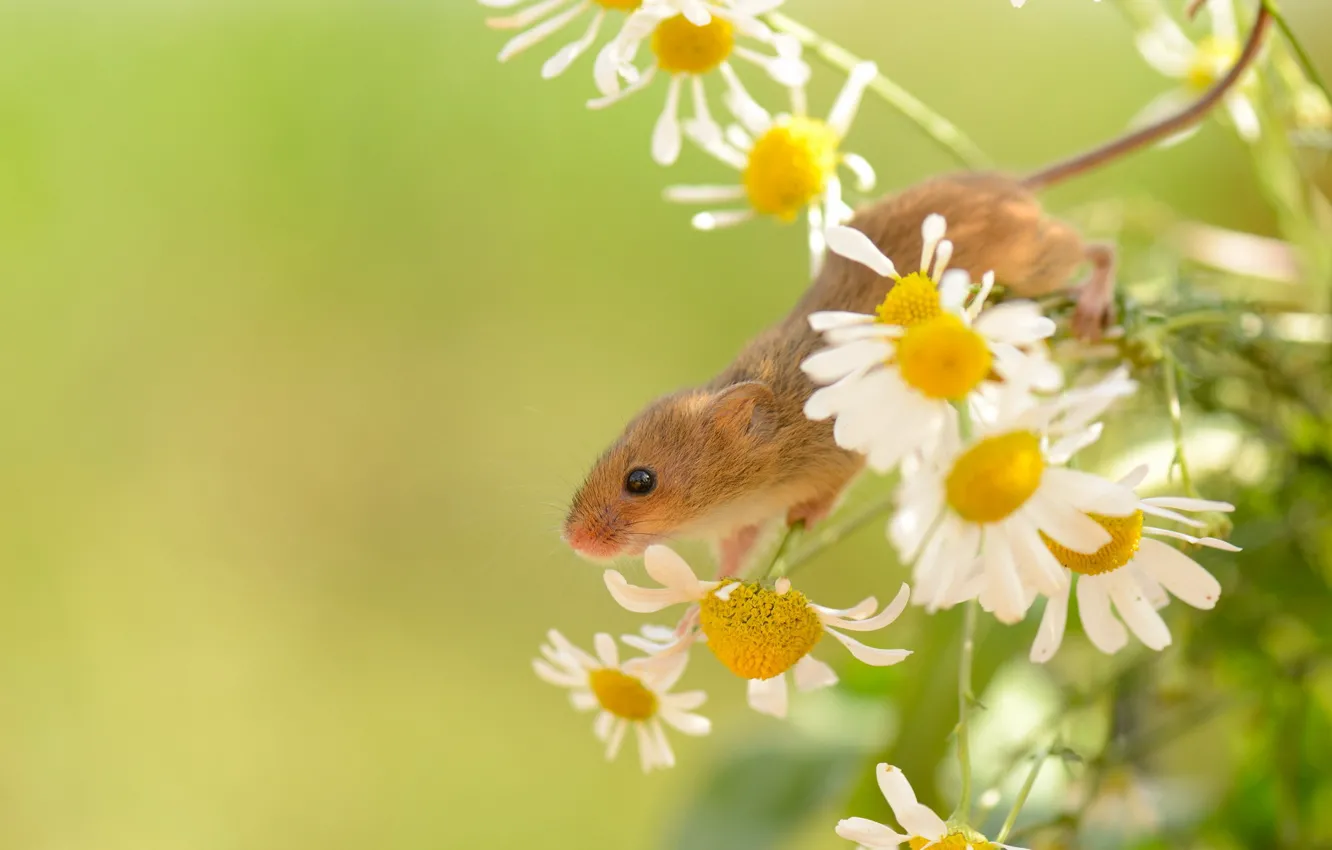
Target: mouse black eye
{"x": 640, "y": 482}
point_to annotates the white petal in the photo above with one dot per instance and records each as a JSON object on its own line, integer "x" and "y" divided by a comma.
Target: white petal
{"x": 868, "y": 833}
{"x": 1209, "y": 542}
{"x": 1014, "y": 322}
{"x": 526, "y": 17}
{"x": 862, "y": 609}
{"x": 1104, "y": 631}
{"x": 768, "y": 696}
{"x": 1066, "y": 447}
{"x": 915, "y": 818}
{"x": 616, "y": 737}
{"x": 789, "y": 71}
{"x": 695, "y": 12}
{"x": 690, "y": 724}
{"x": 720, "y": 219}
{"x": 829, "y": 319}
{"x": 500, "y": 4}
{"x": 1180, "y": 503}
{"x": 567, "y": 649}
{"x": 1136, "y": 612}
{"x": 854, "y": 245}
{"x": 1135, "y": 477}
{"x": 1161, "y": 107}
{"x": 954, "y": 287}
{"x": 1001, "y": 573}
{"x": 685, "y": 701}
{"x": 860, "y": 168}
{"x": 583, "y": 700}
{"x": 611, "y": 99}
{"x": 883, "y": 619}
{"x": 550, "y": 675}
{"x": 742, "y": 105}
{"x": 1245, "y": 117}
{"x": 832, "y": 364}
{"x": 561, "y": 61}
{"x": 812, "y": 674}
{"x": 1166, "y": 48}
{"x": 664, "y": 565}
{"x": 703, "y": 194}
{"x": 666, "y": 137}
{"x": 869, "y": 654}
{"x": 606, "y": 650}
{"x": 540, "y": 32}
{"x": 1088, "y": 492}
{"x": 665, "y": 755}
{"x": 1051, "y": 632}
{"x": 641, "y": 600}
{"x": 1181, "y": 575}
{"x": 848, "y": 100}
{"x": 603, "y": 726}
{"x": 1067, "y": 525}
{"x": 1152, "y": 510}
{"x": 1035, "y": 559}
{"x": 647, "y": 748}
{"x": 1223, "y": 20}
{"x": 703, "y": 127}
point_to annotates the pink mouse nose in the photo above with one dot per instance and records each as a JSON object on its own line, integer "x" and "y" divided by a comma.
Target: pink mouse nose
{"x": 591, "y": 542}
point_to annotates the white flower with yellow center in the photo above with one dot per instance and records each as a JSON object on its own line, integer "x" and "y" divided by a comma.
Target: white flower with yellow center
{"x": 975, "y": 517}
{"x": 1198, "y": 66}
{"x": 788, "y": 164}
{"x": 759, "y": 633}
{"x": 634, "y": 693}
{"x": 923, "y": 828}
{"x": 894, "y": 376}
{"x": 1135, "y": 574}
{"x": 689, "y": 41}
{"x": 544, "y": 18}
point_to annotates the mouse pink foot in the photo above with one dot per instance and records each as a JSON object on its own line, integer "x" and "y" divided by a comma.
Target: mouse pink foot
{"x": 812, "y": 512}
{"x": 734, "y": 550}
{"x": 1095, "y": 309}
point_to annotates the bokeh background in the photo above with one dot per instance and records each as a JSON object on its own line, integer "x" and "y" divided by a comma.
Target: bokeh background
{"x": 313, "y": 316}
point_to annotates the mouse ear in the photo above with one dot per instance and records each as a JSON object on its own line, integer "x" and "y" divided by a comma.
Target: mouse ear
{"x": 746, "y": 408}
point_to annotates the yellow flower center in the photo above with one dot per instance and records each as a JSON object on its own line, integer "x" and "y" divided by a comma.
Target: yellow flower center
{"x": 622, "y": 695}
{"x": 943, "y": 358}
{"x": 1211, "y": 60}
{"x": 995, "y": 477}
{"x": 756, "y": 632}
{"x": 620, "y": 5}
{"x": 1125, "y": 535}
{"x": 953, "y": 841}
{"x": 683, "y": 48}
{"x": 789, "y": 167}
{"x": 912, "y": 300}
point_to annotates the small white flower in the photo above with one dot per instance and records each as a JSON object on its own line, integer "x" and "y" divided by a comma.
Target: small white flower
{"x": 544, "y": 18}
{"x": 918, "y": 820}
{"x": 1198, "y": 66}
{"x": 757, "y": 632}
{"x": 893, "y": 377}
{"x": 689, "y": 40}
{"x": 1134, "y": 573}
{"x": 634, "y": 693}
{"x": 974, "y": 518}
{"x": 788, "y": 163}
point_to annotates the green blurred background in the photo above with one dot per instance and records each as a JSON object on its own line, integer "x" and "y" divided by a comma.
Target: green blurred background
{"x": 314, "y": 315}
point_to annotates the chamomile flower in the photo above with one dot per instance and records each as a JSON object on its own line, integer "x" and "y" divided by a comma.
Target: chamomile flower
{"x": 544, "y": 18}
{"x": 975, "y": 518}
{"x": 633, "y": 694}
{"x": 688, "y": 41}
{"x": 759, "y": 633}
{"x": 1134, "y": 573}
{"x": 1198, "y": 66}
{"x": 923, "y": 828}
{"x": 893, "y": 377}
{"x": 788, "y": 164}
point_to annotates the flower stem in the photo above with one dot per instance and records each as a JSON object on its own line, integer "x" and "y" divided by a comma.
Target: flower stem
{"x": 831, "y": 536}
{"x": 1310, "y": 69}
{"x": 964, "y": 700}
{"x": 779, "y": 566}
{"x": 938, "y": 128}
{"x": 1024, "y": 793}
{"x": 1171, "y": 369}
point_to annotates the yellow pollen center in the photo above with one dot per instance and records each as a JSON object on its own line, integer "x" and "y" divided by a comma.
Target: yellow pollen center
{"x": 620, "y": 5}
{"x": 789, "y": 167}
{"x": 758, "y": 633}
{"x": 622, "y": 695}
{"x": 952, "y": 841}
{"x": 912, "y": 300}
{"x": 943, "y": 358}
{"x": 682, "y": 48}
{"x": 995, "y": 477}
{"x": 1125, "y": 535}
{"x": 1211, "y": 60}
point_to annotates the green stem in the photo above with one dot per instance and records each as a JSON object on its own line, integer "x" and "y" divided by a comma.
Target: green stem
{"x": 938, "y": 128}
{"x": 831, "y": 536}
{"x": 964, "y": 699}
{"x": 1024, "y": 793}
{"x": 778, "y": 567}
{"x": 1306, "y": 62}
{"x": 1171, "y": 369}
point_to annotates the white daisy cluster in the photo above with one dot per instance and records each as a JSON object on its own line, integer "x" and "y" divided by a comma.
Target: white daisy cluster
{"x": 963, "y": 401}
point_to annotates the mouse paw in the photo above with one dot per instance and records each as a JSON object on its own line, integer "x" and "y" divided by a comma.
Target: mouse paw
{"x": 734, "y": 549}
{"x": 1094, "y": 312}
{"x": 812, "y": 512}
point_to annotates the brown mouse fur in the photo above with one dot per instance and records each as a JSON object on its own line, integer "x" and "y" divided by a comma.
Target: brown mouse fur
{"x": 737, "y": 453}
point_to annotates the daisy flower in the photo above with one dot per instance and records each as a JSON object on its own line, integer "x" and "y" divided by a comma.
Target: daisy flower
{"x": 687, "y": 46}
{"x": 544, "y": 18}
{"x": 623, "y": 695}
{"x": 1134, "y": 573}
{"x": 923, "y": 827}
{"x": 759, "y": 633}
{"x": 787, "y": 164}
{"x": 894, "y": 377}
{"x": 975, "y": 517}
{"x": 1198, "y": 66}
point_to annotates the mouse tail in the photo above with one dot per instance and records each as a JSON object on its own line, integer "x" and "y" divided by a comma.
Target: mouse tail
{"x": 1164, "y": 128}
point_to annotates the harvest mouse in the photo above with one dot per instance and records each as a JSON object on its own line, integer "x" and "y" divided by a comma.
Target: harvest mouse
{"x": 722, "y": 461}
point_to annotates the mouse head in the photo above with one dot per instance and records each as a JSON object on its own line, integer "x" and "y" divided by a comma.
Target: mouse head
{"x": 679, "y": 461}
